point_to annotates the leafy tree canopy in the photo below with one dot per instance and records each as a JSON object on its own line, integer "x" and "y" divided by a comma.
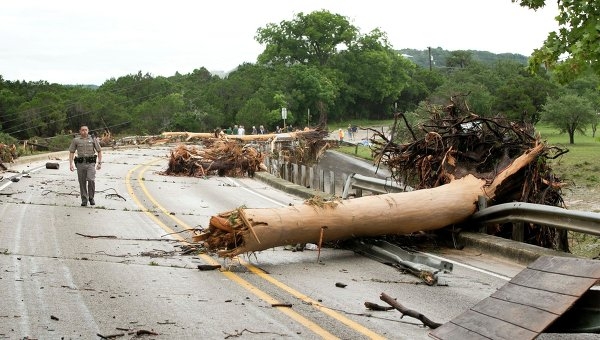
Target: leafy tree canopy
{"x": 569, "y": 113}
{"x": 576, "y": 45}
{"x": 308, "y": 39}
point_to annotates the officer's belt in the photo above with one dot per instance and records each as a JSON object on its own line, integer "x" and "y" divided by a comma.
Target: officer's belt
{"x": 85, "y": 159}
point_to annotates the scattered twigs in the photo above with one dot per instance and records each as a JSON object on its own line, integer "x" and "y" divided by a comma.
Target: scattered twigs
{"x": 238, "y": 334}
{"x": 409, "y": 312}
{"x": 320, "y": 242}
{"x": 115, "y": 195}
{"x": 127, "y": 239}
{"x": 111, "y": 336}
{"x": 72, "y": 193}
{"x": 136, "y": 333}
{"x": 96, "y": 236}
{"x": 376, "y": 307}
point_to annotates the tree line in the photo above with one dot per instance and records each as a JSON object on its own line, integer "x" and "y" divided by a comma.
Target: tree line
{"x": 322, "y": 70}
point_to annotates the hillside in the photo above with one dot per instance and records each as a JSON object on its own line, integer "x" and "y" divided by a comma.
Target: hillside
{"x": 439, "y": 56}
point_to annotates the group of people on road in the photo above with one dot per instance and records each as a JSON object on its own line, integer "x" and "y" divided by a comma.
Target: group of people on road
{"x": 241, "y": 131}
{"x": 352, "y": 129}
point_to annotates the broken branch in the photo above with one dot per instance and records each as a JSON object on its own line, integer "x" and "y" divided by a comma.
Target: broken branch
{"x": 409, "y": 312}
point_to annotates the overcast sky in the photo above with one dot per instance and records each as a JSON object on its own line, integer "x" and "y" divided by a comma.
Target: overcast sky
{"x": 88, "y": 42}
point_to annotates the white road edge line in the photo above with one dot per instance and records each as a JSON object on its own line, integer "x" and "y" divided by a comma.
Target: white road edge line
{"x": 5, "y": 185}
{"x": 469, "y": 267}
{"x": 255, "y": 193}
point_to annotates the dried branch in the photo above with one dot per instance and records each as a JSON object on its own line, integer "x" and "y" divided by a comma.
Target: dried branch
{"x": 409, "y": 312}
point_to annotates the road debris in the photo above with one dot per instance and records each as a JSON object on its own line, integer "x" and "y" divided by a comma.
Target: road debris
{"x": 409, "y": 312}
{"x": 206, "y": 267}
{"x": 457, "y": 158}
{"x": 52, "y": 165}
{"x": 376, "y": 307}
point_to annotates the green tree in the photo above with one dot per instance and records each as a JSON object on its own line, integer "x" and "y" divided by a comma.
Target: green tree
{"x": 520, "y": 95}
{"x": 198, "y": 121}
{"x": 587, "y": 86}
{"x": 254, "y": 112}
{"x": 477, "y": 98}
{"x": 100, "y": 111}
{"x": 314, "y": 88}
{"x": 460, "y": 59}
{"x": 9, "y": 103}
{"x": 307, "y": 39}
{"x": 421, "y": 84}
{"x": 568, "y": 113}
{"x": 230, "y": 95}
{"x": 514, "y": 103}
{"x": 154, "y": 116}
{"x": 576, "y": 40}
{"x": 375, "y": 74}
{"x": 43, "y": 116}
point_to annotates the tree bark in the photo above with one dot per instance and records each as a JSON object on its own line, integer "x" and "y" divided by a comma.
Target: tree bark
{"x": 207, "y": 135}
{"x": 247, "y": 230}
{"x": 400, "y": 213}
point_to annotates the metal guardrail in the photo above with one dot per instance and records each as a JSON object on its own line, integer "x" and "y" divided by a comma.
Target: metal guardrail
{"x": 574, "y": 220}
{"x": 372, "y": 184}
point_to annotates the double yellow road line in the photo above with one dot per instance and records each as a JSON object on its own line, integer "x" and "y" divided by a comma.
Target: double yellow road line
{"x": 315, "y": 328}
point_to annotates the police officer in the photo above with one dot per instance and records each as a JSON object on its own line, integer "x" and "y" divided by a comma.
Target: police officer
{"x": 86, "y": 162}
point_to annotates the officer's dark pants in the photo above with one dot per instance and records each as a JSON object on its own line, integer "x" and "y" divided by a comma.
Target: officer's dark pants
{"x": 86, "y": 174}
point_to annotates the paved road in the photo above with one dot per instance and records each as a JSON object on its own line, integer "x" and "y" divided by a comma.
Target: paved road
{"x": 75, "y": 272}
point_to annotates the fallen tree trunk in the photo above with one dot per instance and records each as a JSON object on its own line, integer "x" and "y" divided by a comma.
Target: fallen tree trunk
{"x": 247, "y": 230}
{"x": 400, "y": 213}
{"x": 246, "y": 138}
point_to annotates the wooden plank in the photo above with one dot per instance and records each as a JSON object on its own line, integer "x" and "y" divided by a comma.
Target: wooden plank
{"x": 563, "y": 284}
{"x": 528, "y": 304}
{"x": 549, "y": 301}
{"x": 567, "y": 266}
{"x": 450, "y": 330}
{"x": 491, "y": 327}
{"x": 533, "y": 319}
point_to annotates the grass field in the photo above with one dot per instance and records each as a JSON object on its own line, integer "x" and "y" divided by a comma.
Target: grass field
{"x": 581, "y": 165}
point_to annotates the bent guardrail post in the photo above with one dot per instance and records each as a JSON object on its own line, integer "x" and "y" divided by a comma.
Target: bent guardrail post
{"x": 573, "y": 220}
{"x": 423, "y": 267}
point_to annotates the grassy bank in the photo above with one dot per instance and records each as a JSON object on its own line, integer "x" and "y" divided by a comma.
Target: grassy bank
{"x": 581, "y": 165}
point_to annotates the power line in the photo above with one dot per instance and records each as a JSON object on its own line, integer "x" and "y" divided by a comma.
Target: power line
{"x": 14, "y": 129}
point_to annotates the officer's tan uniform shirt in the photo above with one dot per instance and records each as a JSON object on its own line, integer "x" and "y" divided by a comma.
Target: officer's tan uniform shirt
{"x": 84, "y": 147}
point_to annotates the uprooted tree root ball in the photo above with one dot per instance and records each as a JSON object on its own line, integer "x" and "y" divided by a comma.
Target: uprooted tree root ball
{"x": 236, "y": 156}
{"x": 455, "y": 142}
{"x": 219, "y": 156}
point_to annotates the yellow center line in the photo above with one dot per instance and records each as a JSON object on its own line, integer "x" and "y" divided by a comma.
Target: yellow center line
{"x": 315, "y": 328}
{"x": 346, "y": 321}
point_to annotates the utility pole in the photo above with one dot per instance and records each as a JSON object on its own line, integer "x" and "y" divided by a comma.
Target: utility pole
{"x": 308, "y": 118}
{"x": 430, "y": 58}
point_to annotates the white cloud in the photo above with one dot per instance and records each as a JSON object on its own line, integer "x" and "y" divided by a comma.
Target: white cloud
{"x": 81, "y": 42}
